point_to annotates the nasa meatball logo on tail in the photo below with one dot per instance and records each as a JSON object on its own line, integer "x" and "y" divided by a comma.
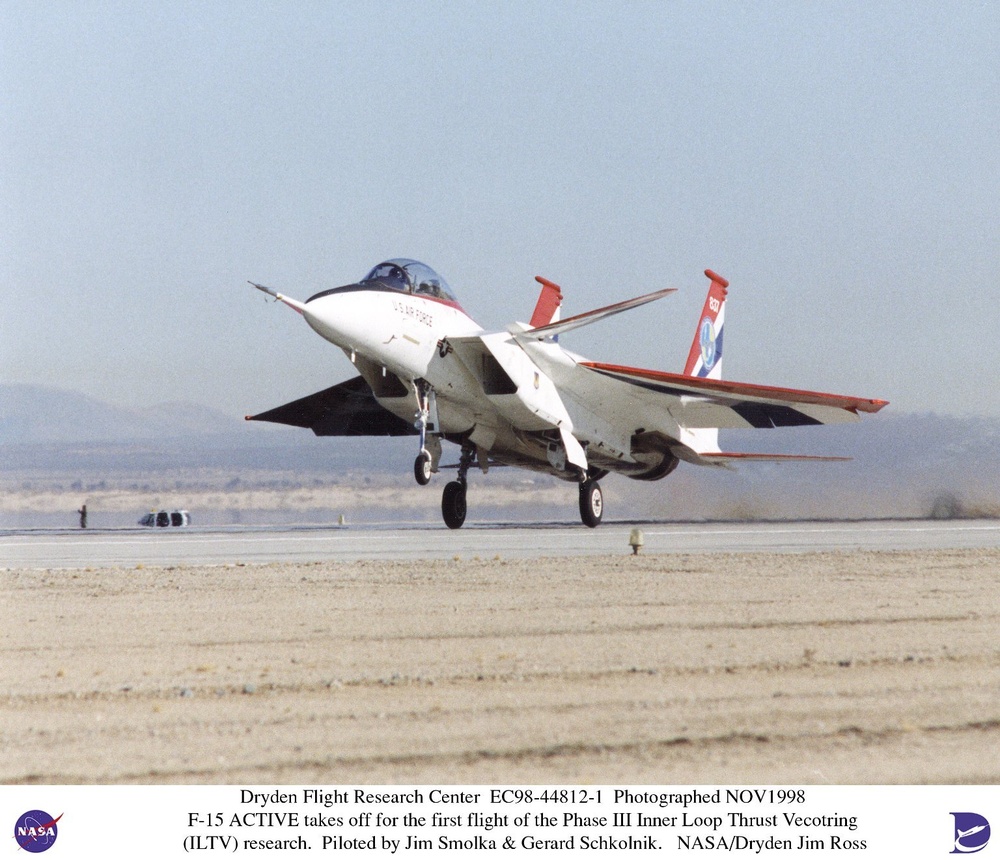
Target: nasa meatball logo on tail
{"x": 705, "y": 357}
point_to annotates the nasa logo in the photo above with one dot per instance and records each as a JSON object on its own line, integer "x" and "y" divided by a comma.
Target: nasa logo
{"x": 972, "y": 832}
{"x": 36, "y": 831}
{"x": 706, "y": 337}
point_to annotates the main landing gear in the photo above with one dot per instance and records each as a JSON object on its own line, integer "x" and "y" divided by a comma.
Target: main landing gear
{"x": 453, "y": 500}
{"x": 454, "y": 504}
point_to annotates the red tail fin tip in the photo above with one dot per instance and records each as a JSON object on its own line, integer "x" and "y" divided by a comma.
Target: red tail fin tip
{"x": 721, "y": 281}
{"x": 548, "y": 303}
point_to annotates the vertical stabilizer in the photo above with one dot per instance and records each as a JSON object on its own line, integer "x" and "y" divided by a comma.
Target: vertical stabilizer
{"x": 705, "y": 358}
{"x": 547, "y": 308}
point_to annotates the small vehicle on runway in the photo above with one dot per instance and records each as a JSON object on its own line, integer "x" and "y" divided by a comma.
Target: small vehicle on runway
{"x": 165, "y": 519}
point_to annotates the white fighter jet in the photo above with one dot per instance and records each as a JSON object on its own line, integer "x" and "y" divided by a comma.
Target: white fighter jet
{"x": 517, "y": 398}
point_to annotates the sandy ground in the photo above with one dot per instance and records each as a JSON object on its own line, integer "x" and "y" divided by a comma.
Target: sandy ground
{"x": 841, "y": 668}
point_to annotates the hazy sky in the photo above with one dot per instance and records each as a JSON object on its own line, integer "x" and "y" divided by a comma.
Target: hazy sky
{"x": 837, "y": 162}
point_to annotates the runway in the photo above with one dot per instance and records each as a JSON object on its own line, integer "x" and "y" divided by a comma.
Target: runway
{"x": 51, "y": 549}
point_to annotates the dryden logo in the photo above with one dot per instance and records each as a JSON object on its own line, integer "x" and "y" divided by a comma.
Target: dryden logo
{"x": 972, "y": 832}
{"x": 36, "y": 831}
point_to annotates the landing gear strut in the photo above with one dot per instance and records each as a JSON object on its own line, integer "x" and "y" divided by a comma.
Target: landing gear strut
{"x": 453, "y": 499}
{"x": 423, "y": 466}
{"x": 591, "y": 503}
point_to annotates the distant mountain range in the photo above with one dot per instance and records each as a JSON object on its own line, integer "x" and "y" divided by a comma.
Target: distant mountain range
{"x": 49, "y": 430}
{"x": 33, "y": 414}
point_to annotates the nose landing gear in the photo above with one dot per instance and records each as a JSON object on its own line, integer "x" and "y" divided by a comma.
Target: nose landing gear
{"x": 422, "y": 467}
{"x": 430, "y": 446}
{"x": 591, "y": 503}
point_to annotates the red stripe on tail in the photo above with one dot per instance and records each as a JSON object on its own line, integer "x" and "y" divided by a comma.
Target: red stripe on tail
{"x": 548, "y": 303}
{"x": 713, "y": 303}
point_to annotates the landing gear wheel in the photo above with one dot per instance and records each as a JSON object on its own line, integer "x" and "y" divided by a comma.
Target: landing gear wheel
{"x": 453, "y": 506}
{"x": 422, "y": 468}
{"x": 591, "y": 503}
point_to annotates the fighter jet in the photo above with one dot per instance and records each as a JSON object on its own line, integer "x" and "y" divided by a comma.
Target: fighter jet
{"x": 518, "y": 398}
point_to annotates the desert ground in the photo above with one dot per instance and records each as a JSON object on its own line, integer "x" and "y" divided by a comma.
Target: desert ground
{"x": 673, "y": 669}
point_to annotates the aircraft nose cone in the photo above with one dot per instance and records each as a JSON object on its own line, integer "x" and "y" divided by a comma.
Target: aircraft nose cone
{"x": 343, "y": 316}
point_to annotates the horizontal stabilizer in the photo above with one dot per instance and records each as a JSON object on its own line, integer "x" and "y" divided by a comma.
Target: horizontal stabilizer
{"x": 347, "y": 409}
{"x": 592, "y": 316}
{"x": 732, "y": 457}
{"x": 727, "y": 459}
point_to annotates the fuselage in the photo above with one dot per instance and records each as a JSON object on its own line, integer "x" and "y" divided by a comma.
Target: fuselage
{"x": 398, "y": 331}
{"x": 490, "y": 389}
{"x": 516, "y": 397}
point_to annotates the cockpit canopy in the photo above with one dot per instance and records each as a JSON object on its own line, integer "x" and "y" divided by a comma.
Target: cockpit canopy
{"x": 410, "y": 276}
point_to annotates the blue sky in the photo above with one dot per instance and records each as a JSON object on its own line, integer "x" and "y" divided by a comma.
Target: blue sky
{"x": 838, "y": 163}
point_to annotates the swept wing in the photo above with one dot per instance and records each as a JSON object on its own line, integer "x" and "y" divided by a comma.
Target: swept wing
{"x": 590, "y": 316}
{"x": 347, "y": 409}
{"x": 667, "y": 405}
{"x": 700, "y": 402}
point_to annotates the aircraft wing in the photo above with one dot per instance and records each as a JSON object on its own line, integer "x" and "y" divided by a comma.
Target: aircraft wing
{"x": 695, "y": 402}
{"x": 588, "y": 317}
{"x": 667, "y": 410}
{"x": 347, "y": 409}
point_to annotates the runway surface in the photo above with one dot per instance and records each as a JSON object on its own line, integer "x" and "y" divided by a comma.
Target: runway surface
{"x": 52, "y": 549}
{"x": 671, "y": 668}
